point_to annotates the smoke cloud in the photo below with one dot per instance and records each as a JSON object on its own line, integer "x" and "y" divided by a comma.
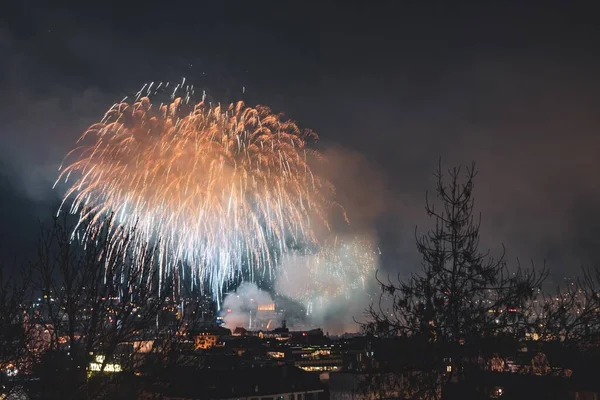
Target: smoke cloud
{"x": 335, "y": 285}
{"x": 331, "y": 288}
{"x": 238, "y": 305}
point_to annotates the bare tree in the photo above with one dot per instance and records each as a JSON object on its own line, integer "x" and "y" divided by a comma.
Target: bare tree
{"x": 14, "y": 293}
{"x": 97, "y": 294}
{"x": 460, "y": 298}
{"x": 565, "y": 326}
{"x": 572, "y": 314}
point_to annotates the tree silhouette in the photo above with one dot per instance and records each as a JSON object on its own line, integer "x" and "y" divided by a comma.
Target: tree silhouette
{"x": 14, "y": 292}
{"x": 98, "y": 295}
{"x": 460, "y": 299}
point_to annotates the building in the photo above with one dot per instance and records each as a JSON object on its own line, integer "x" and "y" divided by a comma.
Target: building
{"x": 282, "y": 333}
{"x": 264, "y": 316}
{"x": 308, "y": 358}
{"x": 208, "y": 337}
{"x": 239, "y": 331}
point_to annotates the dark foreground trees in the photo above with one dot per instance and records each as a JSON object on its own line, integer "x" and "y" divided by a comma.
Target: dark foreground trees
{"x": 461, "y": 302}
{"x": 98, "y": 299}
{"x": 14, "y": 292}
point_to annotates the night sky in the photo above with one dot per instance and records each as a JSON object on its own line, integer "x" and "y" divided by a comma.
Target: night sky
{"x": 389, "y": 86}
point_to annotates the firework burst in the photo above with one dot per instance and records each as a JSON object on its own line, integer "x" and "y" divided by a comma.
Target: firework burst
{"x": 223, "y": 190}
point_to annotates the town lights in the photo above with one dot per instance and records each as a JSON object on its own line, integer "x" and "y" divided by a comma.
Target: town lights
{"x": 96, "y": 366}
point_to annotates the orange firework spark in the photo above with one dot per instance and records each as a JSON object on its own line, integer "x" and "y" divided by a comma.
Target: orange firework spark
{"x": 220, "y": 187}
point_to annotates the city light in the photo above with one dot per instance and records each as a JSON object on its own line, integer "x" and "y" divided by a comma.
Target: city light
{"x": 266, "y": 307}
{"x": 108, "y": 367}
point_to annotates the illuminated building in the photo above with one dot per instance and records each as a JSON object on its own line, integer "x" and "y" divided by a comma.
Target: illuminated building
{"x": 208, "y": 337}
{"x": 96, "y": 366}
{"x": 320, "y": 365}
{"x": 205, "y": 340}
{"x": 275, "y": 354}
{"x": 263, "y": 316}
{"x": 266, "y": 307}
{"x": 143, "y": 346}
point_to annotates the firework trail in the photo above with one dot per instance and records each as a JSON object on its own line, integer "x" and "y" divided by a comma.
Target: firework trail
{"x": 336, "y": 271}
{"x": 223, "y": 190}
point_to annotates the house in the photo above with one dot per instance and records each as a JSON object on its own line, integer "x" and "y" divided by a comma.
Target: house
{"x": 239, "y": 331}
{"x": 208, "y": 337}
